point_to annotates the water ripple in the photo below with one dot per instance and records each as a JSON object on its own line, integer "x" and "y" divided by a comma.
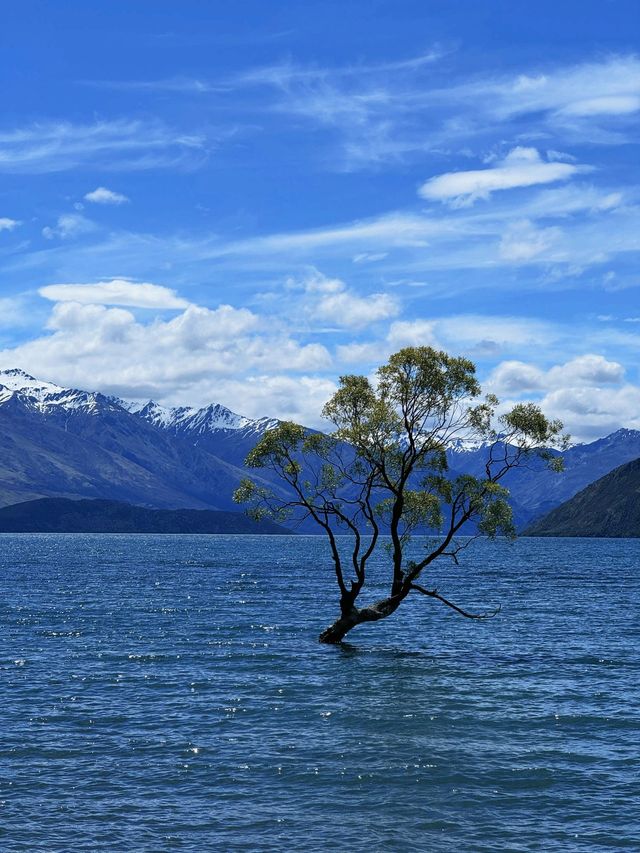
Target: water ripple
{"x": 165, "y": 693}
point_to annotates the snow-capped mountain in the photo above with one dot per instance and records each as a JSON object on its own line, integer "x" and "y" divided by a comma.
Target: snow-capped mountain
{"x": 188, "y": 418}
{"x": 63, "y": 442}
{"x": 466, "y": 445}
{"x": 185, "y": 420}
{"x": 46, "y": 396}
{"x": 197, "y": 422}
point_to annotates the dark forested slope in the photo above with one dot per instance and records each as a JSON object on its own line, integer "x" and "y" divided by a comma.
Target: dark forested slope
{"x": 608, "y": 507}
{"x": 61, "y": 515}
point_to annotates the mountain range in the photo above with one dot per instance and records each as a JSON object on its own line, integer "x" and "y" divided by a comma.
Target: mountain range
{"x": 70, "y": 443}
{"x": 62, "y": 442}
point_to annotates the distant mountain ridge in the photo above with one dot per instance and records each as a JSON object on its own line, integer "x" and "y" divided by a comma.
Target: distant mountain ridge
{"x": 610, "y": 507}
{"x": 70, "y": 443}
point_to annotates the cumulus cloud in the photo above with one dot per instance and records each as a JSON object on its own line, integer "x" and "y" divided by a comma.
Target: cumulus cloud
{"x": 228, "y": 355}
{"x": 522, "y": 167}
{"x": 372, "y": 352}
{"x": 588, "y": 393}
{"x": 115, "y": 292}
{"x": 473, "y": 335}
{"x": 330, "y": 300}
{"x": 102, "y": 195}
{"x": 412, "y": 333}
{"x": 7, "y": 224}
{"x": 69, "y": 225}
{"x": 478, "y": 334}
{"x": 588, "y": 413}
{"x": 585, "y": 371}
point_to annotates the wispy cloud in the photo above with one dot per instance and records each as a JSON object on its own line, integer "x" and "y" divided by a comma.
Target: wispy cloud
{"x": 394, "y": 229}
{"x": 606, "y": 87}
{"x": 387, "y": 111}
{"x": 119, "y": 145}
{"x": 12, "y": 312}
{"x": 523, "y": 242}
{"x": 554, "y": 230}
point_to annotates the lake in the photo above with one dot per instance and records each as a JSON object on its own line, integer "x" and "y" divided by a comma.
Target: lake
{"x": 169, "y": 693}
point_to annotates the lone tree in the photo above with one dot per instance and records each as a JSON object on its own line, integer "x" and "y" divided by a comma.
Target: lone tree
{"x": 382, "y": 474}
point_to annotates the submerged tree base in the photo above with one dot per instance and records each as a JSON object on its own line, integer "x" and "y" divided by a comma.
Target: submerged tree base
{"x": 380, "y": 610}
{"x": 337, "y": 632}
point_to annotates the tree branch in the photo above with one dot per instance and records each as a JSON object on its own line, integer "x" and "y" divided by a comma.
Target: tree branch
{"x": 433, "y": 593}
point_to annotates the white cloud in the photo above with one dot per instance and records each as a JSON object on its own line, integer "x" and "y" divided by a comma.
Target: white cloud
{"x": 102, "y": 195}
{"x": 373, "y": 352}
{"x": 7, "y": 224}
{"x": 201, "y": 355}
{"x": 118, "y": 145}
{"x": 369, "y": 257}
{"x": 605, "y": 105}
{"x": 395, "y": 229}
{"x": 412, "y": 333}
{"x": 69, "y": 225}
{"x": 474, "y": 335}
{"x": 329, "y": 300}
{"x": 484, "y": 334}
{"x": 115, "y": 292}
{"x": 606, "y": 87}
{"x": 589, "y": 412}
{"x": 588, "y": 370}
{"x": 522, "y": 167}
{"x": 516, "y": 377}
{"x": 298, "y": 399}
{"x": 587, "y": 393}
{"x": 392, "y": 111}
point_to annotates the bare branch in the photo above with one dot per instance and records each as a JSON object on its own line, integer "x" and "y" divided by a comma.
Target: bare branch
{"x": 433, "y": 593}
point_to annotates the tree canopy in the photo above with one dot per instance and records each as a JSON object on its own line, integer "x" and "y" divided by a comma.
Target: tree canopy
{"x": 382, "y": 473}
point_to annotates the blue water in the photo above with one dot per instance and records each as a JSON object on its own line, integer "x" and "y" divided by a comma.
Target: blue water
{"x": 168, "y": 693}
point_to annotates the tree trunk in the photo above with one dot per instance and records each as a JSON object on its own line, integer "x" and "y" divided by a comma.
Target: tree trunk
{"x": 380, "y": 610}
{"x": 336, "y": 633}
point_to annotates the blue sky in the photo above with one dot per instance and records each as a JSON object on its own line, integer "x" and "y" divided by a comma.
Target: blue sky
{"x": 240, "y": 202}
